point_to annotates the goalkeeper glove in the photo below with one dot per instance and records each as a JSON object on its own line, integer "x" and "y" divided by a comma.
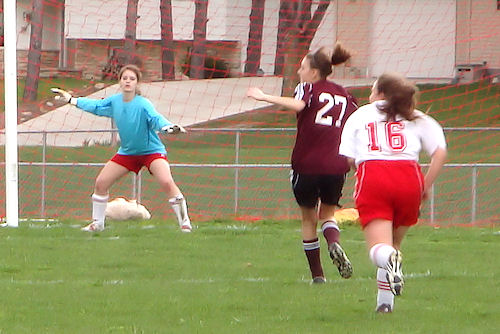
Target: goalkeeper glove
{"x": 64, "y": 96}
{"x": 173, "y": 129}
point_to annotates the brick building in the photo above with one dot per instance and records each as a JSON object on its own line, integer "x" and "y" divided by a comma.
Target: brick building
{"x": 422, "y": 39}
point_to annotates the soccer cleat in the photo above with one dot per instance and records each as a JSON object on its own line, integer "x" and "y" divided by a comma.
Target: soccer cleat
{"x": 319, "y": 280}
{"x": 186, "y": 226}
{"x": 384, "y": 308}
{"x": 394, "y": 273}
{"x": 340, "y": 260}
{"x": 93, "y": 227}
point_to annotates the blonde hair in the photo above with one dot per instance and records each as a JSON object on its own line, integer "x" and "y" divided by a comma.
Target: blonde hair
{"x": 137, "y": 72}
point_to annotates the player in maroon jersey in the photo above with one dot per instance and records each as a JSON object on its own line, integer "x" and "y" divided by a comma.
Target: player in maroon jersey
{"x": 318, "y": 171}
{"x": 383, "y": 140}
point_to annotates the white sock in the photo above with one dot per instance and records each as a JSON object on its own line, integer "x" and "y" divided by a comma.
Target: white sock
{"x": 99, "y": 204}
{"x": 380, "y": 254}
{"x": 179, "y": 205}
{"x": 384, "y": 296}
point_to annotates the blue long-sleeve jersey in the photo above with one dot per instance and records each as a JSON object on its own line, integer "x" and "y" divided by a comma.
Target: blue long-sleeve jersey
{"x": 137, "y": 121}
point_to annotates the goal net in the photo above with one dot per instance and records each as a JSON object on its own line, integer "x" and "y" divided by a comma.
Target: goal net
{"x": 199, "y": 57}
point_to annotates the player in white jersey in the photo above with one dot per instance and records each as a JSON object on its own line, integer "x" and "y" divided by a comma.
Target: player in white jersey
{"x": 383, "y": 140}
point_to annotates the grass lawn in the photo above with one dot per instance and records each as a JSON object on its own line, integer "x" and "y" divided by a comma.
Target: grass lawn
{"x": 234, "y": 277}
{"x": 44, "y": 86}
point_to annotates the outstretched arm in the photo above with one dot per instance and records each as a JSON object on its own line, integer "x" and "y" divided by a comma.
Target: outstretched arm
{"x": 64, "y": 96}
{"x": 287, "y": 102}
{"x": 97, "y": 107}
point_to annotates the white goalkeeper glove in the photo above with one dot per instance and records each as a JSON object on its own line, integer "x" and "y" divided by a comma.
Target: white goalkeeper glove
{"x": 64, "y": 96}
{"x": 173, "y": 129}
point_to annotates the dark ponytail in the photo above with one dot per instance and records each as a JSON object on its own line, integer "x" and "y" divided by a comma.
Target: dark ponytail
{"x": 321, "y": 61}
{"x": 399, "y": 94}
{"x": 340, "y": 55}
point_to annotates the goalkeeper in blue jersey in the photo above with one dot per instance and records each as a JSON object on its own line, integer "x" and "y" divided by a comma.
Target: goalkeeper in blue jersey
{"x": 138, "y": 123}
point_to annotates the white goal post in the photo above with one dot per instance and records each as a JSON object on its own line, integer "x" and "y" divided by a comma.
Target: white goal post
{"x": 10, "y": 77}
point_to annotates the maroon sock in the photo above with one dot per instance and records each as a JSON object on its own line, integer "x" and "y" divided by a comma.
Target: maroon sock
{"x": 311, "y": 248}
{"x": 330, "y": 231}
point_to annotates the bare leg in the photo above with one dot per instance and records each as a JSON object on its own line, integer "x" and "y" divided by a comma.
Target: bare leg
{"x": 108, "y": 175}
{"x": 160, "y": 169}
{"x": 309, "y": 222}
{"x": 398, "y": 236}
{"x": 378, "y": 231}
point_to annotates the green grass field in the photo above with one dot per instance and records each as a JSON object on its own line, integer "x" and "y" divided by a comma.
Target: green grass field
{"x": 44, "y": 86}
{"x": 234, "y": 277}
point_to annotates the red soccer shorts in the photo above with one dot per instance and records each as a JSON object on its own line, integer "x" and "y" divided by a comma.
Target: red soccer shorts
{"x": 134, "y": 163}
{"x": 390, "y": 190}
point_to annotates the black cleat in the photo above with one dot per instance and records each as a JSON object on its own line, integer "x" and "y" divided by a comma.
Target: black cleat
{"x": 340, "y": 260}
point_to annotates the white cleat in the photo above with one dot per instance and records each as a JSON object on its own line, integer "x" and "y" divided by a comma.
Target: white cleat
{"x": 186, "y": 226}
{"x": 395, "y": 274}
{"x": 93, "y": 227}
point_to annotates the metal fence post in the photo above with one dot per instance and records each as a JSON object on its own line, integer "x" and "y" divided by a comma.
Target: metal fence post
{"x": 432, "y": 204}
{"x": 474, "y": 193}
{"x": 134, "y": 186}
{"x": 236, "y": 170}
{"x": 44, "y": 172}
{"x": 137, "y": 186}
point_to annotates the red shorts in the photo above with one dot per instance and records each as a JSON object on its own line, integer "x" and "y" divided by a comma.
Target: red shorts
{"x": 134, "y": 163}
{"x": 389, "y": 190}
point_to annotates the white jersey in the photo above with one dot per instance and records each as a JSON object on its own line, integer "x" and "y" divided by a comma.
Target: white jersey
{"x": 368, "y": 136}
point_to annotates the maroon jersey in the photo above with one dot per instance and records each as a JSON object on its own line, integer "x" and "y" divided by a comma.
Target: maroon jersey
{"x": 319, "y": 126}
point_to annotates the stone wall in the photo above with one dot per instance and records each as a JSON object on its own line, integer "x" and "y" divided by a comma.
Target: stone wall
{"x": 90, "y": 56}
{"x": 49, "y": 62}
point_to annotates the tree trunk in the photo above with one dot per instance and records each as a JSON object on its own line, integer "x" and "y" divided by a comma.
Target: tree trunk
{"x": 35, "y": 52}
{"x": 167, "y": 41}
{"x": 284, "y": 24}
{"x": 254, "y": 47}
{"x": 298, "y": 40}
{"x": 130, "y": 31}
{"x": 198, "y": 52}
